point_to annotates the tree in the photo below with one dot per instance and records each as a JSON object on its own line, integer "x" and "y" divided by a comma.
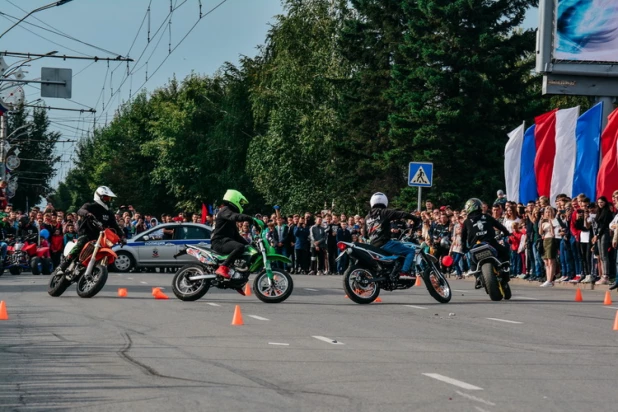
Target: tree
{"x": 36, "y": 151}
{"x": 459, "y": 87}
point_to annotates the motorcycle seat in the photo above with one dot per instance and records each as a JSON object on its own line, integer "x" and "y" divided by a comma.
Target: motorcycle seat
{"x": 384, "y": 253}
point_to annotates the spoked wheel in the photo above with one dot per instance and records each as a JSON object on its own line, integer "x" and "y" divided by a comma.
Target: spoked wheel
{"x": 280, "y": 289}
{"x": 57, "y": 284}
{"x": 89, "y": 286}
{"x": 187, "y": 289}
{"x": 436, "y": 284}
{"x": 359, "y": 286}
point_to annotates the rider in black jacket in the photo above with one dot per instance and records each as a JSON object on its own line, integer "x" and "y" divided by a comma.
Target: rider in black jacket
{"x": 226, "y": 238}
{"x": 478, "y": 227}
{"x": 99, "y": 209}
{"x": 378, "y": 229}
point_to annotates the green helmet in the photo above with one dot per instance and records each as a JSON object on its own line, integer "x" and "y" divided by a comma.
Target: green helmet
{"x": 472, "y": 205}
{"x": 236, "y": 198}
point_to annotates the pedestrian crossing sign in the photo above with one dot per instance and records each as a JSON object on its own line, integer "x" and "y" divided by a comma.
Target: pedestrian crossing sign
{"x": 420, "y": 174}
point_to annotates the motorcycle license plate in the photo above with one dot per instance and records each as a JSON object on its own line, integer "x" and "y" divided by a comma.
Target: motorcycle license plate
{"x": 482, "y": 255}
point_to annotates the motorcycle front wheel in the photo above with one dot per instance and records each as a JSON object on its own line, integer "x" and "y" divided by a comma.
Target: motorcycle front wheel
{"x": 190, "y": 290}
{"x": 280, "y": 290}
{"x": 436, "y": 284}
{"x": 89, "y": 286}
{"x": 57, "y": 285}
{"x": 359, "y": 286}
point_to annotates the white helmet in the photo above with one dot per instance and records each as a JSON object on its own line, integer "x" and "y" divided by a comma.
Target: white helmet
{"x": 379, "y": 199}
{"x": 103, "y": 191}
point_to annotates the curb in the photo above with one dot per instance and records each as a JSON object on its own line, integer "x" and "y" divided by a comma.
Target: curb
{"x": 566, "y": 285}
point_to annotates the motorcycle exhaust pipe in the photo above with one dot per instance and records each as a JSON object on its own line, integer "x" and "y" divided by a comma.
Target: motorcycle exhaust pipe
{"x": 205, "y": 276}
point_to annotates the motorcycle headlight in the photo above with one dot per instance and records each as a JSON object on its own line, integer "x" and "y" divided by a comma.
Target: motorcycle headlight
{"x": 108, "y": 243}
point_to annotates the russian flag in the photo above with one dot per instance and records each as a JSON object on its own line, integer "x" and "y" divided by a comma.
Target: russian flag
{"x": 588, "y": 142}
{"x": 607, "y": 180}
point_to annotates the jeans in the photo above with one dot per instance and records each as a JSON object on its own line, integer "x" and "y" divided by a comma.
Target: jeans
{"x": 515, "y": 263}
{"x": 538, "y": 262}
{"x": 604, "y": 244}
{"x": 397, "y": 248}
{"x": 458, "y": 262}
{"x": 342, "y": 263}
{"x": 283, "y": 252}
{"x": 577, "y": 257}
{"x": 566, "y": 258}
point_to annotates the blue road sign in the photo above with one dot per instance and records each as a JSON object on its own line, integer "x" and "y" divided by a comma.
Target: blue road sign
{"x": 420, "y": 174}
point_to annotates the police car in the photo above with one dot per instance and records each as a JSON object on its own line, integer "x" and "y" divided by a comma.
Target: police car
{"x": 157, "y": 246}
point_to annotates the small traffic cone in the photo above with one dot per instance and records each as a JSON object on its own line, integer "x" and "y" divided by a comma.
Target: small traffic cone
{"x": 578, "y": 295}
{"x": 247, "y": 289}
{"x": 608, "y": 298}
{"x": 418, "y": 280}
{"x": 616, "y": 321}
{"x": 378, "y": 300}
{"x": 122, "y": 292}
{"x": 237, "y": 319}
{"x": 4, "y": 315}
{"x": 155, "y": 291}
{"x": 347, "y": 297}
{"x": 160, "y": 295}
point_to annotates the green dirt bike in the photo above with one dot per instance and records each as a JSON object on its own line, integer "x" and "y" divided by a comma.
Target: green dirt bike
{"x": 192, "y": 281}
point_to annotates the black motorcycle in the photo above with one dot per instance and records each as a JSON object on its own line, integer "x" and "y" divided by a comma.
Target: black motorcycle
{"x": 371, "y": 269}
{"x": 491, "y": 274}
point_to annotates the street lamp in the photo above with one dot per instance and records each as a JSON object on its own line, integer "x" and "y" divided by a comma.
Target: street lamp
{"x": 54, "y": 4}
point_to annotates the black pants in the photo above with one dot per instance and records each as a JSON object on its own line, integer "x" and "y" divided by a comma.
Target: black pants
{"x": 584, "y": 250}
{"x": 302, "y": 260}
{"x": 74, "y": 254}
{"x": 317, "y": 259}
{"x": 229, "y": 247}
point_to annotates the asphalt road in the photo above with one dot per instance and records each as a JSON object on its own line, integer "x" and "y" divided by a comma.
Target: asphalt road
{"x": 318, "y": 351}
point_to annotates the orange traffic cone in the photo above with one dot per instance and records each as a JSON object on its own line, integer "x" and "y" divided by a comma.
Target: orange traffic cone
{"x": 122, "y": 292}
{"x": 616, "y": 321}
{"x": 155, "y": 291}
{"x": 608, "y": 298}
{"x": 247, "y": 289}
{"x": 160, "y": 295}
{"x": 347, "y": 297}
{"x": 237, "y": 319}
{"x": 578, "y": 295}
{"x": 378, "y": 300}
{"x": 4, "y": 315}
{"x": 418, "y": 280}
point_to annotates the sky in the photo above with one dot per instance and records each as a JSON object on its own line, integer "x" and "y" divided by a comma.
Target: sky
{"x": 231, "y": 30}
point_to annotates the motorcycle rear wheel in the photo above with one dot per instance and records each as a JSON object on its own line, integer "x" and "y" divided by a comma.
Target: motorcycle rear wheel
{"x": 491, "y": 282}
{"x": 36, "y": 265}
{"x": 190, "y": 290}
{"x": 278, "y": 292}
{"x": 357, "y": 285}
{"x": 87, "y": 288}
{"x": 57, "y": 285}
{"x": 506, "y": 288}
{"x": 436, "y": 284}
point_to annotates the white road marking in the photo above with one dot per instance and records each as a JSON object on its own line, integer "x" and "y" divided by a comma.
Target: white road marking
{"x": 145, "y": 283}
{"x": 257, "y": 317}
{"x": 130, "y": 278}
{"x": 474, "y": 398}
{"x": 478, "y": 408}
{"x": 458, "y": 290}
{"x": 212, "y": 304}
{"x": 505, "y": 321}
{"x": 415, "y": 307}
{"x": 328, "y": 340}
{"x": 452, "y": 381}
{"x": 279, "y": 344}
{"x": 523, "y": 298}
{"x": 610, "y": 307}
{"x": 313, "y": 290}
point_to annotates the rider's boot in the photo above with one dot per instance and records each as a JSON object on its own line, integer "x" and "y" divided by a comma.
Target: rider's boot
{"x": 407, "y": 275}
{"x": 64, "y": 265}
{"x": 223, "y": 271}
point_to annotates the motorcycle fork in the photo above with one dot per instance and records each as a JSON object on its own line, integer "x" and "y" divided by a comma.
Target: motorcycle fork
{"x": 267, "y": 266}
{"x": 92, "y": 262}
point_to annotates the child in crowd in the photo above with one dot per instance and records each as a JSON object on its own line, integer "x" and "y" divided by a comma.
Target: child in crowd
{"x": 57, "y": 246}
{"x": 515, "y": 242}
{"x": 70, "y": 235}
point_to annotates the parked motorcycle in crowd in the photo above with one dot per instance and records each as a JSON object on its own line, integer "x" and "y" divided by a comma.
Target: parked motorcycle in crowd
{"x": 89, "y": 270}
{"x": 486, "y": 267}
{"x": 25, "y": 255}
{"x": 370, "y": 271}
{"x": 192, "y": 281}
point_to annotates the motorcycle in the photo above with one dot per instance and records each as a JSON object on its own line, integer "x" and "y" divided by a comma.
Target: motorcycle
{"x": 24, "y": 255}
{"x": 489, "y": 271}
{"x": 192, "y": 281}
{"x": 370, "y": 270}
{"x": 89, "y": 270}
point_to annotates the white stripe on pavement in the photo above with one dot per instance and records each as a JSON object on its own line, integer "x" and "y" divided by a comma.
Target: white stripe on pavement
{"x": 279, "y": 344}
{"x": 452, "y": 381}
{"x": 130, "y": 278}
{"x": 459, "y": 290}
{"x": 212, "y": 304}
{"x": 145, "y": 283}
{"x": 313, "y": 290}
{"x": 523, "y": 298}
{"x": 505, "y": 321}
{"x": 328, "y": 340}
{"x": 415, "y": 307}
{"x": 478, "y": 408}
{"x": 257, "y": 317}
{"x": 474, "y": 398}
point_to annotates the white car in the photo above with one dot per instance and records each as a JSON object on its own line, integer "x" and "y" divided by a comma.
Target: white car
{"x": 157, "y": 246}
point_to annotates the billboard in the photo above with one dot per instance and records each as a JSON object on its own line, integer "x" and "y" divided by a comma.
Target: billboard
{"x": 586, "y": 31}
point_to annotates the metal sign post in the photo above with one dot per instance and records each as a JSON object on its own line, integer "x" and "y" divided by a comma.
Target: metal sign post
{"x": 420, "y": 174}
